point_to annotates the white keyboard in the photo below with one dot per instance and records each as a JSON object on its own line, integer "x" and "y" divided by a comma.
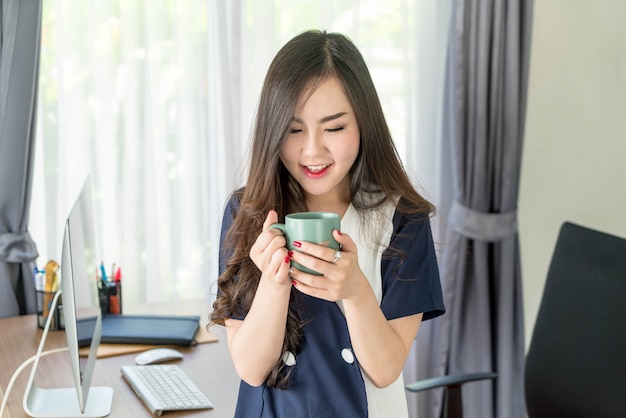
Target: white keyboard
{"x": 165, "y": 387}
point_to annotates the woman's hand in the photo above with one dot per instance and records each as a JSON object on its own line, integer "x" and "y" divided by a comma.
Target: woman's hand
{"x": 341, "y": 278}
{"x": 264, "y": 326}
{"x": 269, "y": 253}
{"x": 381, "y": 345}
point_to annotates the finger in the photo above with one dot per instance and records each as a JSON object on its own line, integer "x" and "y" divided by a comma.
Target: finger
{"x": 275, "y": 244}
{"x": 345, "y": 242}
{"x": 310, "y": 254}
{"x": 304, "y": 279}
{"x": 267, "y": 237}
{"x": 269, "y": 241}
{"x": 267, "y": 244}
{"x": 272, "y": 265}
{"x": 309, "y": 284}
{"x": 272, "y": 218}
{"x": 283, "y": 260}
{"x": 318, "y": 251}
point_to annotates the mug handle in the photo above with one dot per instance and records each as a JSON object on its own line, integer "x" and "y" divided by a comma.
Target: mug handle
{"x": 279, "y": 226}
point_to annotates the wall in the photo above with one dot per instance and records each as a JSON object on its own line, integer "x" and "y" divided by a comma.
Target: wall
{"x": 574, "y": 163}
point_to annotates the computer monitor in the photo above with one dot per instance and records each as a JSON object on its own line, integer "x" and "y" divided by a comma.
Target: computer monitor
{"x": 80, "y": 299}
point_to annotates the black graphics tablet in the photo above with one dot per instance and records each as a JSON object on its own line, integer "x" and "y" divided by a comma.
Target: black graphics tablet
{"x": 142, "y": 329}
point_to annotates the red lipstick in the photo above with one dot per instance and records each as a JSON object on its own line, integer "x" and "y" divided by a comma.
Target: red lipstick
{"x": 316, "y": 174}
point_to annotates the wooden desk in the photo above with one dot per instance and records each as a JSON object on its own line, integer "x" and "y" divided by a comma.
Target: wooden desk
{"x": 209, "y": 365}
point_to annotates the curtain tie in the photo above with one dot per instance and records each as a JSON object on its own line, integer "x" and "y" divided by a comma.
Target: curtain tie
{"x": 17, "y": 248}
{"x": 482, "y": 226}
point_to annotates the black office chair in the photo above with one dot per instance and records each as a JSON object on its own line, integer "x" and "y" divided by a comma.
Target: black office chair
{"x": 576, "y": 362}
{"x": 452, "y": 404}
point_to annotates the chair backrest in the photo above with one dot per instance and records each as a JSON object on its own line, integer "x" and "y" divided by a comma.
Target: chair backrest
{"x": 576, "y": 363}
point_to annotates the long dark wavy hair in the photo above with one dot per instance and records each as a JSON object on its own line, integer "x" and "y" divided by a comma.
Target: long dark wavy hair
{"x": 303, "y": 63}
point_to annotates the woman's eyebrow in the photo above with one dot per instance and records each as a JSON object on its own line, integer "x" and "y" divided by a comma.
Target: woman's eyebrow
{"x": 324, "y": 119}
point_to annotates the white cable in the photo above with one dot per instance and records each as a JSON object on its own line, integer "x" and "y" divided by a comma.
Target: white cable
{"x": 19, "y": 370}
{"x": 36, "y": 357}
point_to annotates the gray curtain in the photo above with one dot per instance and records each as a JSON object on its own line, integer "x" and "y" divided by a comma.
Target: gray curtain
{"x": 485, "y": 101}
{"x": 19, "y": 67}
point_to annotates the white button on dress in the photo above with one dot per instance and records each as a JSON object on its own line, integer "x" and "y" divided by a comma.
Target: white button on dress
{"x": 288, "y": 358}
{"x": 347, "y": 355}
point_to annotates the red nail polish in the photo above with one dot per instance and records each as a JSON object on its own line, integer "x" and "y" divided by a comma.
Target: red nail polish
{"x": 297, "y": 244}
{"x": 287, "y": 259}
{"x": 290, "y": 253}
{"x": 293, "y": 282}
{"x": 339, "y": 232}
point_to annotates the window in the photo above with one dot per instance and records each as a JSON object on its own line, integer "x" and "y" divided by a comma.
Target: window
{"x": 156, "y": 100}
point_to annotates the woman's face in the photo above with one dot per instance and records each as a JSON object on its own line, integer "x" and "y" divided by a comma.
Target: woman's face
{"x": 323, "y": 143}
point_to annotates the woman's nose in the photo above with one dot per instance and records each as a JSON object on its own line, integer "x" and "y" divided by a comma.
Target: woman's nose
{"x": 314, "y": 144}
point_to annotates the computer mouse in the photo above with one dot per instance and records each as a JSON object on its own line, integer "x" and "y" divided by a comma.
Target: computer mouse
{"x": 158, "y": 355}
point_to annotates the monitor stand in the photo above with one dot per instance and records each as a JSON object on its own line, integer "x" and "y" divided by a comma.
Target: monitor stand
{"x": 63, "y": 402}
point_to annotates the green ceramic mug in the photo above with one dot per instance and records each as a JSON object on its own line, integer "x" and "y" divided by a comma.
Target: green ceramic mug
{"x": 315, "y": 227}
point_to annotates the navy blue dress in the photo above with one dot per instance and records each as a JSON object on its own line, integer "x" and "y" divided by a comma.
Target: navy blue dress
{"x": 327, "y": 380}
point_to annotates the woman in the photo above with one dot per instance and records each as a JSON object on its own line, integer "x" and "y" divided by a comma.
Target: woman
{"x": 331, "y": 345}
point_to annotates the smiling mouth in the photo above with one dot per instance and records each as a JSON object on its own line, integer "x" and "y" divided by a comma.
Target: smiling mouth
{"x": 316, "y": 171}
{"x": 316, "y": 168}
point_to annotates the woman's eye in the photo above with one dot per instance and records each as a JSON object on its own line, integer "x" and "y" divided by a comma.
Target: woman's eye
{"x": 335, "y": 129}
{"x": 295, "y": 131}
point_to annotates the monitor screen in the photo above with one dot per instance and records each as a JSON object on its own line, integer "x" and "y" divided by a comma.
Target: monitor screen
{"x": 79, "y": 289}
{"x": 82, "y": 317}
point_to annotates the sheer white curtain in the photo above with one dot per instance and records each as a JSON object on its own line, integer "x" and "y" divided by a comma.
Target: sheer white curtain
{"x": 124, "y": 98}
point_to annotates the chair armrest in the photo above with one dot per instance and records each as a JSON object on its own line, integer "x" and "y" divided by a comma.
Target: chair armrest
{"x": 449, "y": 380}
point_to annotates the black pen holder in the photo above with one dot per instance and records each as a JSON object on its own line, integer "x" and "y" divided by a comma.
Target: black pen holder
{"x": 44, "y": 302}
{"x": 110, "y": 294}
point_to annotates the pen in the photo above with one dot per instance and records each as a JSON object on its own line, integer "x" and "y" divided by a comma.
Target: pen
{"x": 114, "y": 301}
{"x": 38, "y": 279}
{"x": 103, "y": 271}
{"x": 101, "y": 283}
